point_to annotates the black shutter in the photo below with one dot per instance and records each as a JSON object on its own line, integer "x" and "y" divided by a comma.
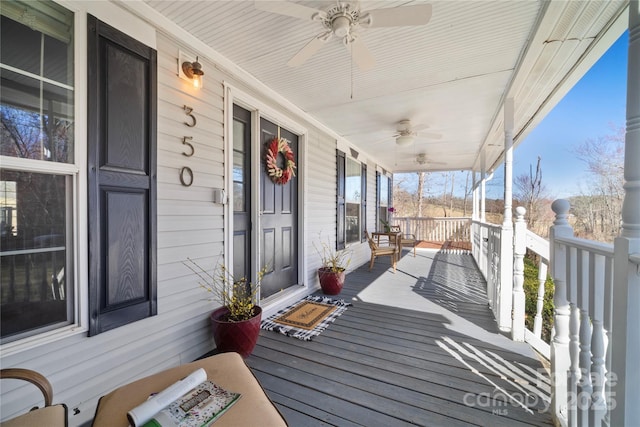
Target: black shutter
{"x": 122, "y": 178}
{"x": 340, "y": 209}
{"x": 363, "y": 203}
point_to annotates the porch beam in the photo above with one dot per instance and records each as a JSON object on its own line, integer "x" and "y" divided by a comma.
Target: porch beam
{"x": 625, "y": 351}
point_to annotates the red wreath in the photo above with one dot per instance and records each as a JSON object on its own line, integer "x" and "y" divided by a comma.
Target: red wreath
{"x": 280, "y": 175}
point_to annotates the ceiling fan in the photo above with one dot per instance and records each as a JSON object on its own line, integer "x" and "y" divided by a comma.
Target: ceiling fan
{"x": 344, "y": 21}
{"x": 421, "y": 159}
{"x": 406, "y": 133}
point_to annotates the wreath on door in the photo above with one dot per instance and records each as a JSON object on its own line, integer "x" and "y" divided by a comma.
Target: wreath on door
{"x": 277, "y": 174}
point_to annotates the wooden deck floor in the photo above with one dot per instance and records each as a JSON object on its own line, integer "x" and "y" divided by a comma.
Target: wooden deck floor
{"x": 418, "y": 347}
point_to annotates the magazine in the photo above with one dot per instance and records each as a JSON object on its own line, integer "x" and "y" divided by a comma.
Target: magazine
{"x": 198, "y": 408}
{"x": 190, "y": 402}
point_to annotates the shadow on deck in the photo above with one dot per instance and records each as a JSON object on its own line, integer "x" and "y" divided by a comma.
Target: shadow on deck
{"x": 418, "y": 347}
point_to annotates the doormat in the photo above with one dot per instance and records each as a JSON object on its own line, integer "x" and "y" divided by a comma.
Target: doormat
{"x": 306, "y": 318}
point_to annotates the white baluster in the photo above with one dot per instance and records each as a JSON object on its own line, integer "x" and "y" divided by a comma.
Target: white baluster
{"x": 519, "y": 250}
{"x": 596, "y": 308}
{"x": 584, "y": 385}
{"x": 542, "y": 279}
{"x": 574, "y": 370}
{"x": 585, "y": 388}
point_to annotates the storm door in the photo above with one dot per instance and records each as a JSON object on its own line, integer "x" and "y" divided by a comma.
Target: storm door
{"x": 241, "y": 192}
{"x": 278, "y": 218}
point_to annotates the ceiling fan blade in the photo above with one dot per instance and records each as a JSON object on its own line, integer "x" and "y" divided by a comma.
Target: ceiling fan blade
{"x": 308, "y": 50}
{"x": 400, "y": 16}
{"x": 286, "y": 8}
{"x": 361, "y": 55}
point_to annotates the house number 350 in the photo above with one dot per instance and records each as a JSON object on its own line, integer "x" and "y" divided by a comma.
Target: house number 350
{"x": 186, "y": 174}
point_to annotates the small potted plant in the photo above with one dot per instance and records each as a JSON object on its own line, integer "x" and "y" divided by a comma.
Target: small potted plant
{"x": 236, "y": 323}
{"x": 332, "y": 271}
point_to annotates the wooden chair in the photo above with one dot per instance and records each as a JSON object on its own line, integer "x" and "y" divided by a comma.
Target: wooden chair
{"x": 377, "y": 251}
{"x": 406, "y": 240}
{"x": 49, "y": 415}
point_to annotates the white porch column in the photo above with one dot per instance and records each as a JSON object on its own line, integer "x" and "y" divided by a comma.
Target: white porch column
{"x": 483, "y": 182}
{"x": 625, "y": 351}
{"x": 519, "y": 251}
{"x": 474, "y": 196}
{"x": 506, "y": 246}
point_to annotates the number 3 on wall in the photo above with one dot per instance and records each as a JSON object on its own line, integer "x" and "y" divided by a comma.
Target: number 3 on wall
{"x": 188, "y": 110}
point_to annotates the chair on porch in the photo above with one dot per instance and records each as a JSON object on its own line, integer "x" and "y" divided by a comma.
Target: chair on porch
{"x": 406, "y": 240}
{"x": 49, "y": 415}
{"x": 377, "y": 251}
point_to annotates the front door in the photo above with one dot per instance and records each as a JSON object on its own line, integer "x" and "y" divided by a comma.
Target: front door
{"x": 279, "y": 218}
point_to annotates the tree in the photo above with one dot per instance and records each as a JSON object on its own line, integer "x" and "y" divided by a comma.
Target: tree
{"x": 598, "y": 211}
{"x": 530, "y": 191}
{"x": 421, "y": 180}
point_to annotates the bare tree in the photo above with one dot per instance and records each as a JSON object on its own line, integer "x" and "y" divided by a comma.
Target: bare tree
{"x": 530, "y": 191}
{"x": 421, "y": 180}
{"x": 598, "y": 211}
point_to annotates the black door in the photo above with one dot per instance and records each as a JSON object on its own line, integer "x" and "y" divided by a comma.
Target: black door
{"x": 279, "y": 219}
{"x": 241, "y": 194}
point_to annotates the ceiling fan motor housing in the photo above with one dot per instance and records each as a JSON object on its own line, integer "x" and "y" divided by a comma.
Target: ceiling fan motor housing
{"x": 339, "y": 19}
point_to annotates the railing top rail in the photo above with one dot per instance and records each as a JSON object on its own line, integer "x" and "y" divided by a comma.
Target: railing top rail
{"x": 438, "y": 218}
{"x": 538, "y": 244}
{"x": 634, "y": 258}
{"x": 604, "y": 249}
{"x": 487, "y": 224}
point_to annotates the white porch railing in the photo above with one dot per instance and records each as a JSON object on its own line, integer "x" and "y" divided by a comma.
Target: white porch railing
{"x": 592, "y": 341}
{"x": 457, "y": 229}
{"x": 487, "y": 250}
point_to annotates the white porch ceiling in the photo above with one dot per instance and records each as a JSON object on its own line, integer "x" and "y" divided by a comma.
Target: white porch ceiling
{"x": 451, "y": 75}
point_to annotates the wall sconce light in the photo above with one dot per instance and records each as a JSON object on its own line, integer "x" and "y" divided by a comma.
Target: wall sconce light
{"x": 193, "y": 70}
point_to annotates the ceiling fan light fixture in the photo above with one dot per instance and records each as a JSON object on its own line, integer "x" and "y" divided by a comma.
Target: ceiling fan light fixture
{"x": 341, "y": 26}
{"x": 404, "y": 139}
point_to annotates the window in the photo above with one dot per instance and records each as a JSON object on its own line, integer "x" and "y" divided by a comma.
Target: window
{"x": 353, "y": 197}
{"x": 349, "y": 210}
{"x": 384, "y": 198}
{"x": 36, "y": 124}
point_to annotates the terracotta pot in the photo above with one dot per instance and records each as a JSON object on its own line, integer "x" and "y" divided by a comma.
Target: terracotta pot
{"x": 331, "y": 282}
{"x": 240, "y": 337}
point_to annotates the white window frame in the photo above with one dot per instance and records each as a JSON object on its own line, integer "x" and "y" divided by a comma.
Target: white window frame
{"x": 348, "y": 243}
{"x": 77, "y": 171}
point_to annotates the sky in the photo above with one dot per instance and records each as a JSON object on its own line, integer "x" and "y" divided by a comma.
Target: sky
{"x": 593, "y": 107}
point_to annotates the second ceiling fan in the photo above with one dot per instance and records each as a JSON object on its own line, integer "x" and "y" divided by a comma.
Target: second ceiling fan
{"x": 345, "y": 21}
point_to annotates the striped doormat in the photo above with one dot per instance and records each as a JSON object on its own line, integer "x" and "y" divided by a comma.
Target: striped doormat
{"x": 306, "y": 318}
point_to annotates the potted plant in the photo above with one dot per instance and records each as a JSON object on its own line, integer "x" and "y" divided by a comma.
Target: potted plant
{"x": 236, "y": 323}
{"x": 332, "y": 272}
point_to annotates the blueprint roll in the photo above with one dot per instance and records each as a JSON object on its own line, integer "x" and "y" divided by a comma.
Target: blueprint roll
{"x": 145, "y": 411}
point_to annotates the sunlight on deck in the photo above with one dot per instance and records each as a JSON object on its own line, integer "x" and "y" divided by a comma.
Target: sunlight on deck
{"x": 449, "y": 285}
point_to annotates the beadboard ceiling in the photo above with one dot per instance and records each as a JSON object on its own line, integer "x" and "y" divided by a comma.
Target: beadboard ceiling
{"x": 451, "y": 75}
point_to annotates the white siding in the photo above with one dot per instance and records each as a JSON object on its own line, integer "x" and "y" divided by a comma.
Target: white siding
{"x": 82, "y": 369}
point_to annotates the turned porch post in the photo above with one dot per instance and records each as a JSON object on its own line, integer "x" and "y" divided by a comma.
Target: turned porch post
{"x": 625, "y": 351}
{"x": 519, "y": 251}
{"x": 560, "y": 355}
{"x": 506, "y": 245}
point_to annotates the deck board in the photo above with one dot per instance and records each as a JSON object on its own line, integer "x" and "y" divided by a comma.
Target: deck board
{"x": 418, "y": 347}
